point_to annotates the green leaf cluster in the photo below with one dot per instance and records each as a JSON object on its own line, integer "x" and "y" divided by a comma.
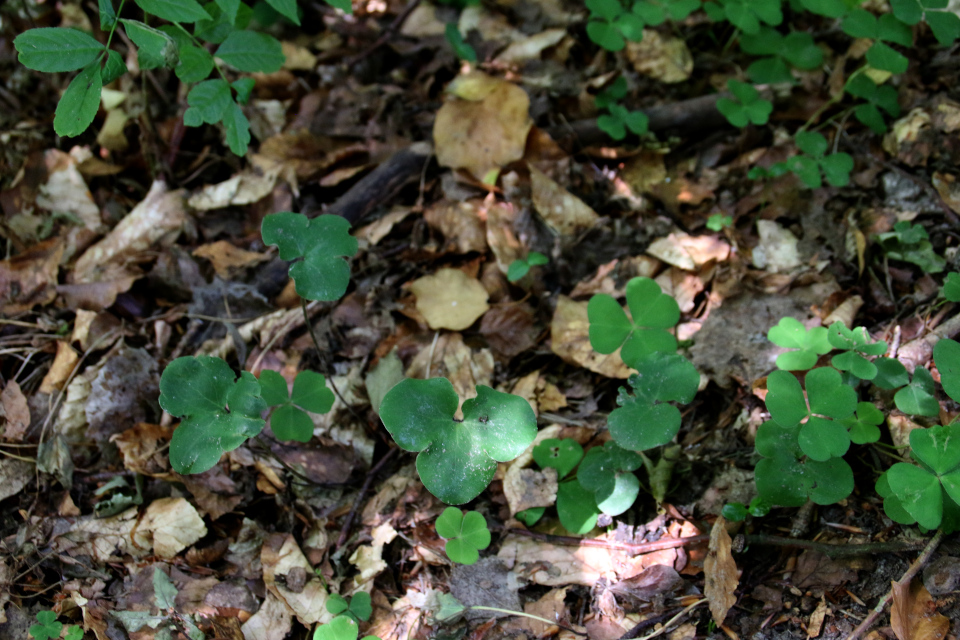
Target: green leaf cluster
{"x": 884, "y": 29}
{"x": 746, "y": 15}
{"x": 910, "y": 242}
{"x": 289, "y": 420}
{"x": 641, "y": 334}
{"x": 607, "y": 473}
{"x": 466, "y": 534}
{"x": 618, "y": 119}
{"x": 781, "y": 53}
{"x": 521, "y": 267}
{"x": 878, "y": 98}
{"x": 737, "y": 511}
{"x": 611, "y": 25}
{"x": 746, "y": 107}
{"x": 49, "y": 628}
{"x": 576, "y": 506}
{"x": 806, "y": 345}
{"x": 358, "y": 607}
{"x": 340, "y": 628}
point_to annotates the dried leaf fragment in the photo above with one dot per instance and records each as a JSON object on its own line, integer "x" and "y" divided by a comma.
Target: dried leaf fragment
{"x": 720, "y": 572}
{"x": 450, "y": 299}
{"x": 563, "y": 212}
{"x": 914, "y": 615}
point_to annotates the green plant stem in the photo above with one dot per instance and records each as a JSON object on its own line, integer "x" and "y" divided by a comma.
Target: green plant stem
{"x": 528, "y": 615}
{"x": 912, "y": 571}
{"x": 829, "y": 103}
{"x": 113, "y": 28}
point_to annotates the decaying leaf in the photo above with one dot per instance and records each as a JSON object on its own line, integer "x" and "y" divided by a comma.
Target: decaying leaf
{"x": 720, "y": 572}
{"x": 450, "y": 299}
{"x": 226, "y": 258}
{"x": 169, "y": 525}
{"x": 914, "y": 615}
{"x": 280, "y": 556}
{"x": 664, "y": 58}
{"x": 570, "y": 339}
{"x": 30, "y": 278}
{"x": 563, "y": 212}
{"x": 15, "y": 411}
{"x": 689, "y": 252}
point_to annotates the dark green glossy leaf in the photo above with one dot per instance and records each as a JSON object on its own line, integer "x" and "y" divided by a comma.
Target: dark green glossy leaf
{"x": 55, "y": 49}
{"x": 80, "y": 102}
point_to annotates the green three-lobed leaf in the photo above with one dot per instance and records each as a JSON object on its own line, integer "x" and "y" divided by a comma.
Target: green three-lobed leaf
{"x": 652, "y": 311}
{"x": 806, "y": 345}
{"x": 466, "y": 534}
{"x": 289, "y": 420}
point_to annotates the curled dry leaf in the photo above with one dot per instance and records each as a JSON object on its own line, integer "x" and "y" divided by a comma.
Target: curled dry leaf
{"x": 226, "y": 258}
{"x": 689, "y": 252}
{"x": 485, "y": 127}
{"x": 16, "y": 411}
{"x": 30, "y": 278}
{"x": 246, "y": 187}
{"x": 450, "y": 299}
{"x": 563, "y": 212}
{"x": 61, "y": 368}
{"x": 720, "y": 572}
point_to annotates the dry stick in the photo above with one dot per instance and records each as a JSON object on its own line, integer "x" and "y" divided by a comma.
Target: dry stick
{"x": 387, "y": 34}
{"x": 348, "y": 523}
{"x": 918, "y": 564}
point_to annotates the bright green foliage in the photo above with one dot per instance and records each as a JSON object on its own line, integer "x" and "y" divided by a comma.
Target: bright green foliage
{"x": 807, "y": 344}
{"x": 610, "y": 25}
{"x": 175, "y": 10}
{"x": 656, "y": 12}
{"x": 737, "y": 511}
{"x": 358, "y": 607}
{"x": 951, "y": 287}
{"x": 607, "y": 473}
{"x": 322, "y": 243}
{"x": 562, "y": 455}
{"x": 891, "y": 374}
{"x": 53, "y": 50}
{"x": 521, "y": 267}
{"x": 946, "y": 355}
{"x": 78, "y": 106}
{"x": 919, "y": 397}
{"x": 717, "y": 221}
{"x": 466, "y": 534}
{"x": 457, "y": 460}
{"x": 864, "y": 426}
{"x": 576, "y": 507}
{"x": 643, "y": 419}
{"x": 925, "y": 493}
{"x": 461, "y": 48}
{"x": 746, "y": 15}
{"x": 856, "y": 343}
{"x": 860, "y": 23}
{"x": 827, "y": 400}
{"x": 748, "y": 107}
{"x": 252, "y": 52}
{"x": 877, "y": 97}
{"x": 796, "y": 49}
{"x": 287, "y": 8}
{"x": 944, "y": 24}
{"x": 530, "y": 516}
{"x": 910, "y": 243}
{"x": 616, "y": 123}
{"x": 74, "y": 632}
{"x": 289, "y": 420}
{"x": 836, "y": 167}
{"x": 652, "y": 311}
{"x": 340, "y": 628}
{"x": 218, "y": 411}
{"x": 48, "y": 626}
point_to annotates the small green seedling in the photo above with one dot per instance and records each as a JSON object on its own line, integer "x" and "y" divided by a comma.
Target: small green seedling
{"x": 562, "y": 455}
{"x": 719, "y": 221}
{"x": 807, "y": 345}
{"x": 457, "y": 459}
{"x": 910, "y": 243}
{"x": 521, "y": 267}
{"x": 652, "y": 312}
{"x": 218, "y": 411}
{"x": 944, "y": 24}
{"x": 169, "y": 622}
{"x": 607, "y": 473}
{"x": 746, "y": 15}
{"x": 747, "y": 107}
{"x": 461, "y": 48}
{"x": 951, "y": 287}
{"x": 616, "y": 123}
{"x": 340, "y": 628}
{"x": 358, "y": 607}
{"x": 877, "y": 97}
{"x": 827, "y": 401}
{"x": 616, "y": 91}
{"x": 610, "y": 25}
{"x": 836, "y": 167}
{"x": 49, "y": 628}
{"x": 319, "y": 247}
{"x": 855, "y": 344}
{"x": 797, "y": 49}
{"x": 644, "y": 419}
{"x": 737, "y": 511}
{"x": 289, "y": 420}
{"x": 466, "y": 534}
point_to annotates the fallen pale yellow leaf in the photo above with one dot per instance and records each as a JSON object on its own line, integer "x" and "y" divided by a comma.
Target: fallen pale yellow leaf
{"x": 450, "y": 299}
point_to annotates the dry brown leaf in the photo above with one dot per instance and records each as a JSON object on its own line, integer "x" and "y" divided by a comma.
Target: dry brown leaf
{"x": 66, "y": 192}
{"x": 30, "y": 278}
{"x": 61, "y": 368}
{"x": 460, "y": 224}
{"x": 450, "y": 299}
{"x": 379, "y": 228}
{"x": 501, "y": 236}
{"x": 485, "y": 134}
{"x": 297, "y": 57}
{"x": 663, "y": 58}
{"x": 16, "y": 411}
{"x": 14, "y": 476}
{"x": 562, "y": 211}
{"x": 423, "y": 22}
{"x": 450, "y": 358}
{"x": 246, "y": 187}
{"x": 170, "y": 525}
{"x": 280, "y": 555}
{"x": 6, "y": 578}
{"x": 644, "y": 171}
{"x": 551, "y": 606}
{"x": 720, "y": 572}
{"x": 689, "y": 252}
{"x": 570, "y": 339}
{"x": 914, "y": 615}
{"x": 529, "y": 488}
{"x": 777, "y": 249}
{"x": 226, "y": 258}
{"x": 509, "y": 328}
{"x": 144, "y": 449}
{"x": 272, "y": 621}
{"x": 948, "y": 188}
{"x": 369, "y": 558}
{"x": 815, "y": 625}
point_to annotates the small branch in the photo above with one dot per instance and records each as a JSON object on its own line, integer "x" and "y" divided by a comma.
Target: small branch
{"x": 912, "y": 571}
{"x": 387, "y": 34}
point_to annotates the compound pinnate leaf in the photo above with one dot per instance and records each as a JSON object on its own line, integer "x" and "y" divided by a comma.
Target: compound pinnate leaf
{"x": 457, "y": 460}
{"x": 576, "y": 508}
{"x": 208, "y": 101}
{"x": 917, "y": 398}
{"x": 55, "y": 49}
{"x": 946, "y": 355}
{"x": 175, "y": 10}
{"x": 562, "y": 455}
{"x": 466, "y": 534}
{"x": 607, "y": 473}
{"x": 644, "y": 419}
{"x": 48, "y": 627}
{"x": 322, "y": 243}
{"x": 79, "y": 104}
{"x": 252, "y": 52}
{"x": 807, "y": 344}
{"x": 218, "y": 412}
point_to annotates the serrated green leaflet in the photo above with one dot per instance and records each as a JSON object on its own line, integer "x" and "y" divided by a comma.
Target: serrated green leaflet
{"x": 576, "y": 508}
{"x": 457, "y": 460}
{"x": 643, "y": 419}
{"x": 229, "y": 9}
{"x": 108, "y": 15}
{"x": 807, "y": 344}
{"x": 155, "y": 49}
{"x": 79, "y": 104}
{"x": 175, "y": 10}
{"x": 466, "y": 534}
{"x": 917, "y": 398}
{"x": 288, "y": 421}
{"x": 218, "y": 412}
{"x": 607, "y": 473}
{"x": 208, "y": 101}
{"x": 252, "y": 52}
{"x": 55, "y": 49}
{"x": 562, "y": 455}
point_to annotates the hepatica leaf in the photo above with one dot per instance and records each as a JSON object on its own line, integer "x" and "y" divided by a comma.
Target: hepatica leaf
{"x": 806, "y": 345}
{"x": 289, "y": 420}
{"x": 457, "y": 460}
{"x": 466, "y": 534}
{"x": 652, "y": 310}
{"x": 644, "y": 419}
{"x": 607, "y": 473}
{"x": 218, "y": 412}
{"x": 319, "y": 246}
{"x": 576, "y": 507}
{"x": 562, "y": 455}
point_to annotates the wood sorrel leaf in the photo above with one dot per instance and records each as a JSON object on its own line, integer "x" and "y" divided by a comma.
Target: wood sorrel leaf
{"x": 946, "y": 355}
{"x": 607, "y": 472}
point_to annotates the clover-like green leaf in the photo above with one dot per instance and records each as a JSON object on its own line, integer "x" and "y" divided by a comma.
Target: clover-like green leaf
{"x": 289, "y": 420}
{"x": 918, "y": 492}
{"x": 946, "y": 355}
{"x": 864, "y": 426}
{"x": 607, "y": 473}
{"x": 612, "y": 94}
{"x": 644, "y": 419}
{"x": 562, "y": 455}
{"x": 466, "y": 534}
{"x": 322, "y": 243}
{"x": 917, "y": 398}
{"x": 749, "y": 106}
{"x": 457, "y": 460}
{"x": 576, "y": 508}
{"x": 530, "y": 516}
{"x": 937, "y": 447}
{"x": 48, "y": 626}
{"x": 340, "y": 628}
{"x": 358, "y": 607}
{"x": 74, "y": 632}
{"x": 218, "y": 412}
{"x": 652, "y": 310}
{"x": 828, "y": 397}
{"x": 807, "y": 344}
{"x": 891, "y": 374}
